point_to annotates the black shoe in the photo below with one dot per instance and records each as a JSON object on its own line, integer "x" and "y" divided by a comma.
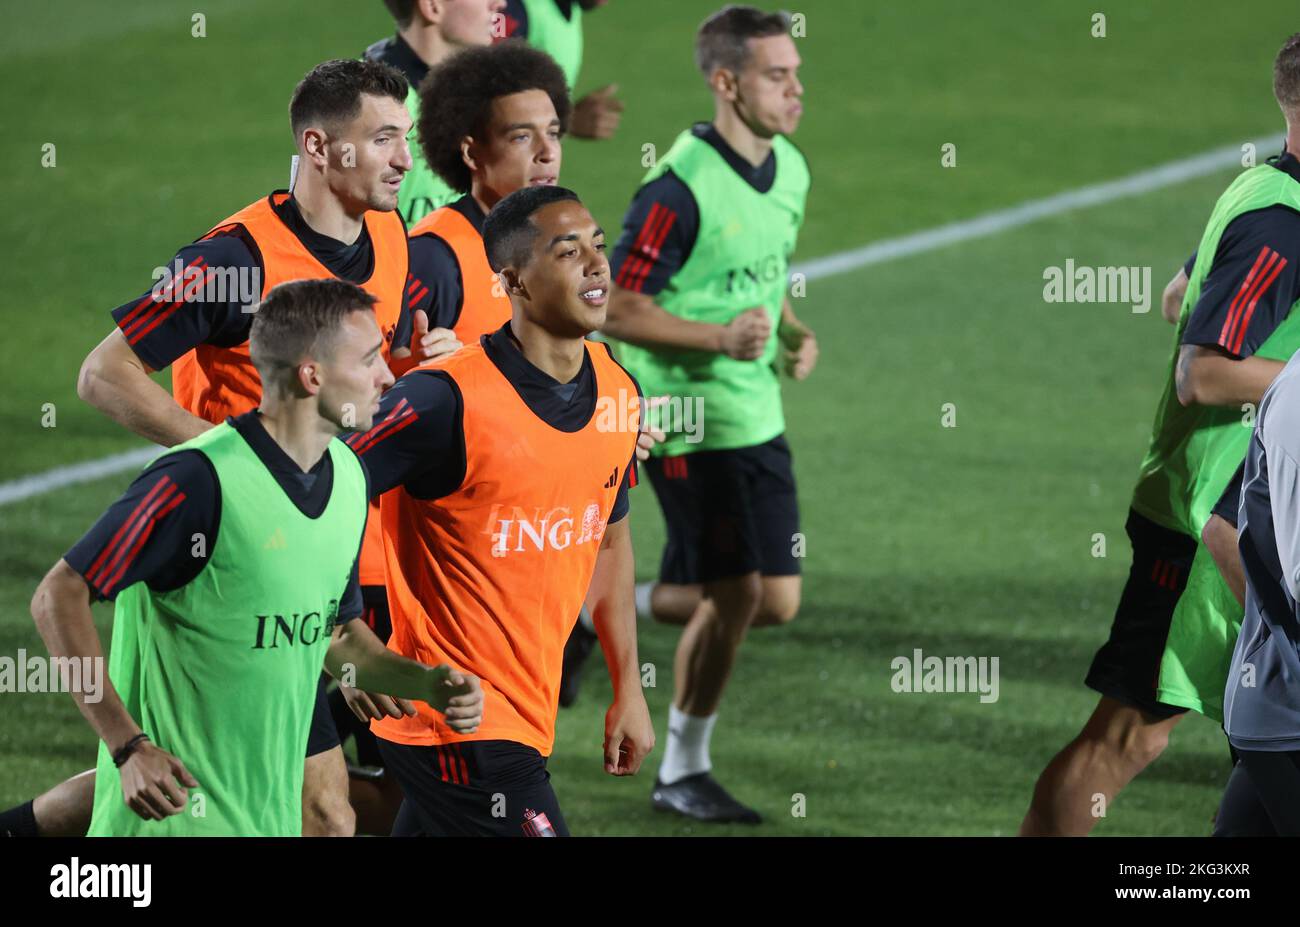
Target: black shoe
{"x": 701, "y": 797}
{"x": 576, "y": 650}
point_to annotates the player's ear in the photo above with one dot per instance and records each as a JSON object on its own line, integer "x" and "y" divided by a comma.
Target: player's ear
{"x": 723, "y": 83}
{"x": 467, "y": 152}
{"x": 431, "y": 10}
{"x": 513, "y": 283}
{"x": 314, "y": 144}
{"x": 309, "y": 378}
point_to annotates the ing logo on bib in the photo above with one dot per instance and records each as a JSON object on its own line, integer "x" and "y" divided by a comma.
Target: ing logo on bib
{"x": 557, "y": 529}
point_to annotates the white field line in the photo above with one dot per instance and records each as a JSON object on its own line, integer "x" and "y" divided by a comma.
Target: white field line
{"x": 879, "y": 252}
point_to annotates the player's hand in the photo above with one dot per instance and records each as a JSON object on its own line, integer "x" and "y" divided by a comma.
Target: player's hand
{"x": 649, "y": 435}
{"x": 629, "y": 735}
{"x": 426, "y": 342}
{"x": 369, "y": 706}
{"x": 799, "y": 344}
{"x": 149, "y": 786}
{"x": 745, "y": 336}
{"x": 597, "y": 114}
{"x": 458, "y": 696}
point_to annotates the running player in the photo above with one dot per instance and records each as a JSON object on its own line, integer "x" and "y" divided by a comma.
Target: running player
{"x": 512, "y": 460}
{"x": 555, "y": 27}
{"x": 1261, "y": 707}
{"x": 232, "y": 563}
{"x": 1172, "y": 636}
{"x": 428, "y": 31}
{"x": 350, "y": 125}
{"x": 491, "y": 122}
{"x": 700, "y": 274}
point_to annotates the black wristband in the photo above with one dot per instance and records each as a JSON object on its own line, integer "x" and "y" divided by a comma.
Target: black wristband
{"x": 124, "y": 752}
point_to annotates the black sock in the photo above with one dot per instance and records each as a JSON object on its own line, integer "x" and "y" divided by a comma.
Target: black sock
{"x": 19, "y": 821}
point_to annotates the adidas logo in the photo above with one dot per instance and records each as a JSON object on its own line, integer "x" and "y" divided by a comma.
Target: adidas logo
{"x": 276, "y": 541}
{"x": 613, "y": 479}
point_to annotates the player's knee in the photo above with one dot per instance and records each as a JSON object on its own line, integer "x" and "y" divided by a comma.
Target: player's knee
{"x": 328, "y": 816}
{"x": 737, "y": 600}
{"x": 779, "y": 606}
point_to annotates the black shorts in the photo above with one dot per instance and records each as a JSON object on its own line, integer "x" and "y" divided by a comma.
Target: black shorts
{"x": 479, "y": 788}
{"x": 322, "y": 735}
{"x": 728, "y": 513}
{"x": 1127, "y": 667}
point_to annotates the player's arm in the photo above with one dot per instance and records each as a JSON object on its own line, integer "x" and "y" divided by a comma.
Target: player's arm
{"x": 168, "y": 321}
{"x": 1247, "y": 294}
{"x": 355, "y": 654}
{"x": 146, "y": 536}
{"x": 1220, "y": 537}
{"x": 1171, "y": 300}
{"x": 1209, "y": 376}
{"x": 416, "y": 439}
{"x": 629, "y": 734}
{"x": 115, "y": 381}
{"x": 658, "y": 235}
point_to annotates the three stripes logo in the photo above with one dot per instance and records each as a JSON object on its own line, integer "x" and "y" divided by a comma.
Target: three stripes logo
{"x": 1166, "y": 574}
{"x": 613, "y": 479}
{"x": 276, "y": 541}
{"x": 1268, "y": 264}
{"x": 121, "y": 550}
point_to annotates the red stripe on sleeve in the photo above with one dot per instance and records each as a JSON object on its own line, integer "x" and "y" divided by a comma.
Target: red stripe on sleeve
{"x": 174, "y": 500}
{"x": 113, "y": 542}
{"x": 1247, "y": 285}
{"x": 1265, "y": 283}
{"x": 651, "y": 250}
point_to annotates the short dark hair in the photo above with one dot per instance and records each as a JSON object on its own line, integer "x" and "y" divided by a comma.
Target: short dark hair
{"x": 508, "y": 230}
{"x": 402, "y": 11}
{"x": 331, "y": 91}
{"x": 456, "y": 99}
{"x": 722, "y": 41}
{"x": 1286, "y": 75}
{"x": 298, "y": 319}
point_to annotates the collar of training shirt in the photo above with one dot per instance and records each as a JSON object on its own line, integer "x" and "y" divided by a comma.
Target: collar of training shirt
{"x": 396, "y": 53}
{"x": 760, "y": 178}
{"x": 468, "y": 207}
{"x": 563, "y": 406}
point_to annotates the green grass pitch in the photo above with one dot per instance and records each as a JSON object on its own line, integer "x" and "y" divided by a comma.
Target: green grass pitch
{"x": 972, "y": 540}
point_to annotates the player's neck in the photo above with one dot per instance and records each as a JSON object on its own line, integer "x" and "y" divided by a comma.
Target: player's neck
{"x": 297, "y": 427}
{"x": 753, "y": 148}
{"x": 323, "y": 212}
{"x": 427, "y": 42}
{"x": 558, "y": 358}
{"x": 1293, "y": 139}
{"x": 485, "y": 198}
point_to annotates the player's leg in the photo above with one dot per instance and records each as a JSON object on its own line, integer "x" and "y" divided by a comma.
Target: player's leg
{"x": 63, "y": 811}
{"x": 325, "y": 808}
{"x": 374, "y": 796}
{"x": 1129, "y": 728}
{"x": 782, "y": 545}
{"x": 1276, "y": 778}
{"x": 1079, "y": 784}
{"x": 1241, "y": 812}
{"x": 668, "y": 603}
{"x": 712, "y": 538}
